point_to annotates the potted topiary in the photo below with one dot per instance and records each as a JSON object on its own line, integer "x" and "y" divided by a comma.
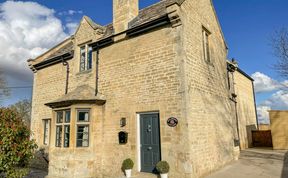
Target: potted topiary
{"x": 127, "y": 166}
{"x": 163, "y": 168}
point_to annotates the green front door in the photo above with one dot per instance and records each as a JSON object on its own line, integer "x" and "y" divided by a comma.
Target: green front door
{"x": 150, "y": 142}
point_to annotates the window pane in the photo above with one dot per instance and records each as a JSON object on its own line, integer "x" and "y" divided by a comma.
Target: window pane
{"x": 83, "y": 136}
{"x": 89, "y": 60}
{"x": 206, "y": 45}
{"x": 58, "y": 136}
{"x": 59, "y": 117}
{"x": 83, "y": 116}
{"x": 82, "y": 58}
{"x": 66, "y": 135}
{"x": 46, "y": 132}
{"x": 67, "y": 116}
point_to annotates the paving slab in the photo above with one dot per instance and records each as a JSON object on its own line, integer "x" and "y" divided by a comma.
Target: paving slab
{"x": 256, "y": 163}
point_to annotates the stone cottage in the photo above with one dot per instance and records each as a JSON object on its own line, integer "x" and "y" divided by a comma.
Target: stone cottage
{"x": 152, "y": 85}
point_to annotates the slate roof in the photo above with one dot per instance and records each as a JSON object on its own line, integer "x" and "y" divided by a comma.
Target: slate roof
{"x": 82, "y": 94}
{"x": 147, "y": 14}
{"x": 68, "y": 48}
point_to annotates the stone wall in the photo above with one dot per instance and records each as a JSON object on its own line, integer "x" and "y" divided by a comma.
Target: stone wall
{"x": 141, "y": 75}
{"x": 279, "y": 127}
{"x": 123, "y": 12}
{"x": 245, "y": 109}
{"x": 144, "y": 78}
{"x": 209, "y": 110}
{"x": 160, "y": 71}
{"x": 264, "y": 127}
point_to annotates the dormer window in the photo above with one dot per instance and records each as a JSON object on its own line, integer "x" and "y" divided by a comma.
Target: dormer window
{"x": 85, "y": 58}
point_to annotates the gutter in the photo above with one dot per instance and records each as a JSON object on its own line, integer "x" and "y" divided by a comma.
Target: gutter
{"x": 137, "y": 30}
{"x": 245, "y": 74}
{"x": 54, "y": 60}
{"x": 164, "y": 20}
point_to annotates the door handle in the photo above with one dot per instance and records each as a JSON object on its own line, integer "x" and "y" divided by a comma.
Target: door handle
{"x": 149, "y": 148}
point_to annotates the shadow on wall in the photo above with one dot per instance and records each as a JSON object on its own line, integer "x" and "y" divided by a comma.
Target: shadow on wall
{"x": 249, "y": 129}
{"x": 285, "y": 167}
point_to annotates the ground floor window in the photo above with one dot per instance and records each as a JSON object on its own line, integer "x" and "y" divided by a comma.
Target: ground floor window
{"x": 83, "y": 118}
{"x": 66, "y": 135}
{"x": 46, "y": 135}
{"x": 63, "y": 128}
{"x": 82, "y": 135}
{"x": 58, "y": 136}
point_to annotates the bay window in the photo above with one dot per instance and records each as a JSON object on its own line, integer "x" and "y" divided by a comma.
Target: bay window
{"x": 63, "y": 124}
{"x": 82, "y": 128}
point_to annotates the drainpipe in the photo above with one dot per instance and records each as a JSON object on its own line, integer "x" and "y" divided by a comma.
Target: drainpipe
{"x": 65, "y": 63}
{"x": 234, "y": 97}
{"x": 97, "y": 71}
{"x": 236, "y": 110}
{"x": 257, "y": 121}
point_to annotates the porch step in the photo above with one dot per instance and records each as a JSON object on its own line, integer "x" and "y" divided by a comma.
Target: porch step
{"x": 142, "y": 175}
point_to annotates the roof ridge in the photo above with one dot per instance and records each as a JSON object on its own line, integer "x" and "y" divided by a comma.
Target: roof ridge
{"x": 92, "y": 23}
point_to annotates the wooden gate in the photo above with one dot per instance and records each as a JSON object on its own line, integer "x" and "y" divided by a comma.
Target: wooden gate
{"x": 262, "y": 138}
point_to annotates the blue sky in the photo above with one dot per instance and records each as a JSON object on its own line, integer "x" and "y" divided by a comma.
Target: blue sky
{"x": 247, "y": 25}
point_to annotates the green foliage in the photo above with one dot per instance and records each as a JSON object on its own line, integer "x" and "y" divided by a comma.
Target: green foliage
{"x": 16, "y": 148}
{"x": 127, "y": 164}
{"x": 23, "y": 107}
{"x": 162, "y": 167}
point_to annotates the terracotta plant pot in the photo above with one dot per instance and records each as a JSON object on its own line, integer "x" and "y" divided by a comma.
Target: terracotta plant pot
{"x": 164, "y": 175}
{"x": 128, "y": 172}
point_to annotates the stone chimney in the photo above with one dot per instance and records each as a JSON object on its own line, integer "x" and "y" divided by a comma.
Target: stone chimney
{"x": 123, "y": 12}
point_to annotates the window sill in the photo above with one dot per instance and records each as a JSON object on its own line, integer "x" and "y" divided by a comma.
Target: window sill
{"x": 84, "y": 72}
{"x": 209, "y": 63}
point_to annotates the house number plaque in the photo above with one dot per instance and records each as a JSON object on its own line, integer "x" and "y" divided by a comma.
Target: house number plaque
{"x": 172, "y": 122}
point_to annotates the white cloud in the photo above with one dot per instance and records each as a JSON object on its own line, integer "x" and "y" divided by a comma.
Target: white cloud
{"x": 263, "y": 115}
{"x": 264, "y": 83}
{"x": 70, "y": 12}
{"x": 278, "y": 101}
{"x": 72, "y": 27}
{"x": 27, "y": 29}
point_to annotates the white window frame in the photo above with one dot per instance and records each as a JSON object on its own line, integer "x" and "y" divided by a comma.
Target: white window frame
{"x": 206, "y": 44}
{"x": 46, "y": 130}
{"x": 87, "y": 62}
{"x": 62, "y": 125}
{"x": 83, "y": 123}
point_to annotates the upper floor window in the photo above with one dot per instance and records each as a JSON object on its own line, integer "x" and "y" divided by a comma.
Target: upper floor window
{"x": 85, "y": 58}
{"x": 63, "y": 128}
{"x": 205, "y": 41}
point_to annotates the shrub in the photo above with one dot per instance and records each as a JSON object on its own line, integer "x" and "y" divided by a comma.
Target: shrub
{"x": 127, "y": 164}
{"x": 16, "y": 148}
{"x": 162, "y": 167}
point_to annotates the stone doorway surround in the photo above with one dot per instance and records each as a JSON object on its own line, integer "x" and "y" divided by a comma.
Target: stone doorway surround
{"x": 138, "y": 160}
